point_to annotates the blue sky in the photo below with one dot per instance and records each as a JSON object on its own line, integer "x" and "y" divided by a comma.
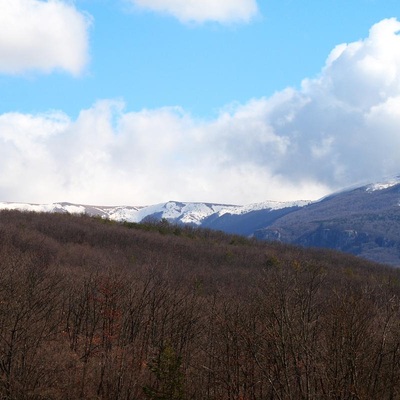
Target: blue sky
{"x": 152, "y": 60}
{"x": 144, "y": 101}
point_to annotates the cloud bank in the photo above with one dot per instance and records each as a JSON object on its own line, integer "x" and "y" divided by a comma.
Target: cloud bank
{"x": 200, "y": 11}
{"x": 42, "y": 36}
{"x": 340, "y": 128}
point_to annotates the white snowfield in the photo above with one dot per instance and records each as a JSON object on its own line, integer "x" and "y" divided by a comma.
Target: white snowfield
{"x": 188, "y": 213}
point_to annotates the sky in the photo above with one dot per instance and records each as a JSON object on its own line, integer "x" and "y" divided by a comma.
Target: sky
{"x": 137, "y": 102}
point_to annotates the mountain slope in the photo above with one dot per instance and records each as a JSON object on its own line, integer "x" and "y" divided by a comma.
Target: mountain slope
{"x": 364, "y": 221}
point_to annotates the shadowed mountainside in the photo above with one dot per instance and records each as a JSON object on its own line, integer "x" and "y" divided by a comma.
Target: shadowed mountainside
{"x": 361, "y": 221}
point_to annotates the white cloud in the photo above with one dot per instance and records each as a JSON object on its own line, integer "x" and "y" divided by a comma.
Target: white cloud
{"x": 366, "y": 72}
{"x": 109, "y": 156}
{"x": 42, "y": 35}
{"x": 199, "y": 11}
{"x": 340, "y": 128}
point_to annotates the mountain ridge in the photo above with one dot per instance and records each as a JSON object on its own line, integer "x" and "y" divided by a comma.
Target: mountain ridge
{"x": 185, "y": 212}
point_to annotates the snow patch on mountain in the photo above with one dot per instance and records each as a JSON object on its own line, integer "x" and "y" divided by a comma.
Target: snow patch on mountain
{"x": 384, "y": 184}
{"x": 267, "y": 205}
{"x": 120, "y": 213}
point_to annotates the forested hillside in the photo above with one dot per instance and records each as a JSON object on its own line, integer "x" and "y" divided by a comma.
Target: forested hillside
{"x": 93, "y": 309}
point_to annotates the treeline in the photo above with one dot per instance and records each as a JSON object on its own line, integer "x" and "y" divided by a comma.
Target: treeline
{"x": 91, "y": 309}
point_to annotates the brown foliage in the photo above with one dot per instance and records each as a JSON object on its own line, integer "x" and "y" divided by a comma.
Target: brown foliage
{"x": 91, "y": 309}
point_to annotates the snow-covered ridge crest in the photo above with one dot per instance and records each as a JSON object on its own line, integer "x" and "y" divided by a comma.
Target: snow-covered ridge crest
{"x": 186, "y": 213}
{"x": 385, "y": 184}
{"x": 53, "y": 207}
{"x": 266, "y": 205}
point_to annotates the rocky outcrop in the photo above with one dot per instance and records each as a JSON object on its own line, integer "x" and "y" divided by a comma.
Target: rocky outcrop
{"x": 348, "y": 240}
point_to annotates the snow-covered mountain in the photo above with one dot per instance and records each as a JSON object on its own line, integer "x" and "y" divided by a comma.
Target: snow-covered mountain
{"x": 173, "y": 211}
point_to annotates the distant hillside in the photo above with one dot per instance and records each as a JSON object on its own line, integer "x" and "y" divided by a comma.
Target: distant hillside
{"x": 97, "y": 309}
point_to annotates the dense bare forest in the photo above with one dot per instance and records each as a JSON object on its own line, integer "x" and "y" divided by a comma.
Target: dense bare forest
{"x": 91, "y": 309}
